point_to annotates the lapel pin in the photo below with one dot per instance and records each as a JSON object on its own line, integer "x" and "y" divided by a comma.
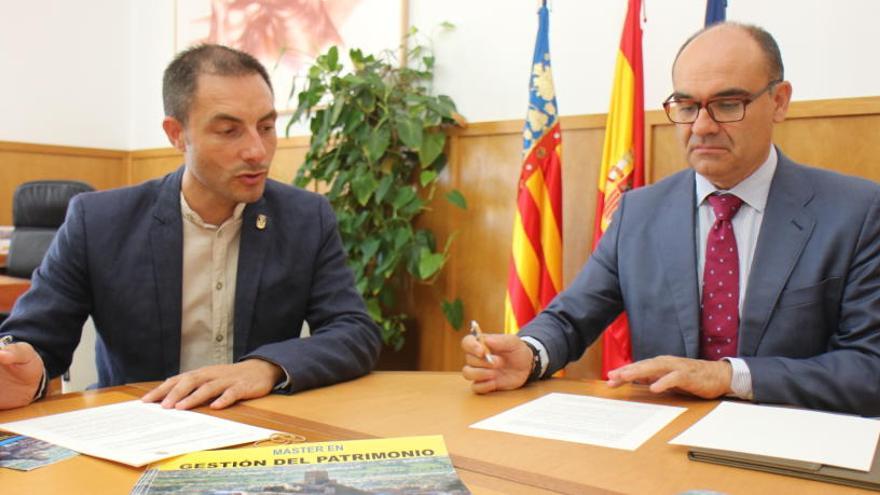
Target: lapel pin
{"x": 261, "y": 221}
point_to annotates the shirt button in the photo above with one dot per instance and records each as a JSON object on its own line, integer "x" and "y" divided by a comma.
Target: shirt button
{"x": 219, "y": 285}
{"x": 219, "y": 337}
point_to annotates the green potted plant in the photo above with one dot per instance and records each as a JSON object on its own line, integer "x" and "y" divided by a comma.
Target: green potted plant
{"x": 377, "y": 150}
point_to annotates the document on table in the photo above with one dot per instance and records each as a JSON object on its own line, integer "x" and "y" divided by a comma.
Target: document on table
{"x": 136, "y": 433}
{"x": 786, "y": 433}
{"x": 576, "y": 418}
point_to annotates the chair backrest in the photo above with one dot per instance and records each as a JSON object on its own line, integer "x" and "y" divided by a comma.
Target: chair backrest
{"x": 38, "y": 209}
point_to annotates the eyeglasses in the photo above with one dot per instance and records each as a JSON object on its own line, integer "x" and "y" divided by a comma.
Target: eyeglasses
{"x": 722, "y": 109}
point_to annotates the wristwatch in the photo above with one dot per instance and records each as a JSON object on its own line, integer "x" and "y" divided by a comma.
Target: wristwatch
{"x": 535, "y": 371}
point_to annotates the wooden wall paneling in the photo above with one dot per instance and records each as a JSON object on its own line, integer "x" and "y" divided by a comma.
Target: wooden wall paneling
{"x": 846, "y": 144}
{"x": 485, "y": 161}
{"x": 478, "y": 171}
{"x": 289, "y": 156}
{"x": 23, "y": 162}
{"x": 153, "y": 163}
{"x": 837, "y": 134}
{"x": 485, "y": 166}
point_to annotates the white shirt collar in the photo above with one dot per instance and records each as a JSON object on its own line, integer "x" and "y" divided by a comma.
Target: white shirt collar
{"x": 753, "y": 190}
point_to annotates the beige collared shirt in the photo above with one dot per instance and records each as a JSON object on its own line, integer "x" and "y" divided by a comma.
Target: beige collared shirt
{"x": 210, "y": 267}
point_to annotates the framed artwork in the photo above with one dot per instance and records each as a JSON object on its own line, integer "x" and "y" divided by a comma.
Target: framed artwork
{"x": 288, "y": 35}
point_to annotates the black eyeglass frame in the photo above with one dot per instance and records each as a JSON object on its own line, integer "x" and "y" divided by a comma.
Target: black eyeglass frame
{"x": 745, "y": 100}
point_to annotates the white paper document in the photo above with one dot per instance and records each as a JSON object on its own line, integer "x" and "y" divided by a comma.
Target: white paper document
{"x": 581, "y": 419}
{"x": 136, "y": 433}
{"x": 786, "y": 433}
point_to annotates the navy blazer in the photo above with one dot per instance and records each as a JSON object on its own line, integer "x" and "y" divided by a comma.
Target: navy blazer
{"x": 810, "y": 321}
{"x": 118, "y": 257}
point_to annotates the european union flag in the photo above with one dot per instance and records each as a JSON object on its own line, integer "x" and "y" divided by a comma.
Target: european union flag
{"x": 716, "y": 11}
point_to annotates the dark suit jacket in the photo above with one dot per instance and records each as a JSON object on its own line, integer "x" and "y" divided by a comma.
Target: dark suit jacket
{"x": 118, "y": 257}
{"x": 810, "y": 321}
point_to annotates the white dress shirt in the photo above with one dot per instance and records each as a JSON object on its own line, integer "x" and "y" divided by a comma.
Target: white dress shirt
{"x": 753, "y": 190}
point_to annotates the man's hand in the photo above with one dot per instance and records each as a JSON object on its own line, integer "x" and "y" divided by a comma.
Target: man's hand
{"x": 21, "y": 370}
{"x": 512, "y": 361}
{"x": 706, "y": 379}
{"x": 228, "y": 383}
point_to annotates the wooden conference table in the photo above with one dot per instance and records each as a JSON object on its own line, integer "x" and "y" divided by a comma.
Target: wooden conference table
{"x": 386, "y": 404}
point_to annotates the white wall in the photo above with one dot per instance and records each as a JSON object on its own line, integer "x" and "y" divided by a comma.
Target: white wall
{"x": 152, "y": 47}
{"x": 828, "y": 48}
{"x": 64, "y": 72}
{"x": 88, "y": 72}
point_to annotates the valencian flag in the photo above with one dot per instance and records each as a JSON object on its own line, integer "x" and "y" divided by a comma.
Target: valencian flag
{"x": 716, "y": 11}
{"x": 535, "y": 273}
{"x": 623, "y": 161}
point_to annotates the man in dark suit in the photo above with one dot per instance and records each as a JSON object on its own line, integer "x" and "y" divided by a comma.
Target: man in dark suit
{"x": 746, "y": 275}
{"x": 204, "y": 277}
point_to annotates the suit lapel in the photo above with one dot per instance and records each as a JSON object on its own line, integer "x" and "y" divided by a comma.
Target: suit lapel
{"x": 166, "y": 242}
{"x": 255, "y": 236}
{"x": 786, "y": 227}
{"x": 675, "y": 224}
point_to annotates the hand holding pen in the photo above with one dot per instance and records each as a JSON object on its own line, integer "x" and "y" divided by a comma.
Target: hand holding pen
{"x": 495, "y": 361}
{"x": 21, "y": 372}
{"x": 478, "y": 334}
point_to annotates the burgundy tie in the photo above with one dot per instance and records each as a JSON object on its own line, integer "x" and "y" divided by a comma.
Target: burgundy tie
{"x": 719, "y": 320}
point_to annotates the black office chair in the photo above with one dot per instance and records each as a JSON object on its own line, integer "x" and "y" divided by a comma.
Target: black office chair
{"x": 38, "y": 209}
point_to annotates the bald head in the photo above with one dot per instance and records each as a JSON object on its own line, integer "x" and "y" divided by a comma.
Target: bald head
{"x": 726, "y": 32}
{"x": 729, "y": 66}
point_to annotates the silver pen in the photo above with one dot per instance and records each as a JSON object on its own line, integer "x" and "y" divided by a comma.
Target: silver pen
{"x": 5, "y": 341}
{"x": 478, "y": 334}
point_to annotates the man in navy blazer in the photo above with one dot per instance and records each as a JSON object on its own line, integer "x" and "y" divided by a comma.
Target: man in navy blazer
{"x": 807, "y": 244}
{"x": 202, "y": 278}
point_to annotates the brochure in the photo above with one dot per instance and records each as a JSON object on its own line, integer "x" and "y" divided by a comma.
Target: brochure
{"x": 409, "y": 465}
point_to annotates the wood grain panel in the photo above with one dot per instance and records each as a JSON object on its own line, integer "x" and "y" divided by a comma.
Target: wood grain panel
{"x": 23, "y": 162}
{"x": 835, "y": 134}
{"x": 484, "y": 164}
{"x": 153, "y": 163}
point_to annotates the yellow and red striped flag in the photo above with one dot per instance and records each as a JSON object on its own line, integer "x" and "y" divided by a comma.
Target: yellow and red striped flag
{"x": 535, "y": 274}
{"x": 623, "y": 162}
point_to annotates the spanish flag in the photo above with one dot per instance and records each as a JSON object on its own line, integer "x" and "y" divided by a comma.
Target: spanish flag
{"x": 623, "y": 161}
{"x": 535, "y": 273}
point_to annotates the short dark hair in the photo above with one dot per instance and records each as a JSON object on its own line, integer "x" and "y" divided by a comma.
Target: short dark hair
{"x": 179, "y": 81}
{"x": 765, "y": 40}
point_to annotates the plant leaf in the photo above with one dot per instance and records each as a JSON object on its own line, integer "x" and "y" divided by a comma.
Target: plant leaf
{"x": 401, "y": 235}
{"x": 332, "y": 58}
{"x": 373, "y": 308}
{"x": 384, "y": 187}
{"x": 430, "y": 263}
{"x": 457, "y": 198}
{"x": 377, "y": 143}
{"x": 410, "y": 132}
{"x": 338, "y": 106}
{"x": 370, "y": 247}
{"x": 363, "y": 186}
{"x": 426, "y": 177}
{"x": 432, "y": 146}
{"x": 454, "y": 312}
{"x": 403, "y": 197}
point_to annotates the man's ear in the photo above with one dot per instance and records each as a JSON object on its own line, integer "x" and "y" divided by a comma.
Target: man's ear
{"x": 781, "y": 98}
{"x": 174, "y": 130}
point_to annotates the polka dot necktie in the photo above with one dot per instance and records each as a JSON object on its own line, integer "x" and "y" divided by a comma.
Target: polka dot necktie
{"x": 719, "y": 319}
